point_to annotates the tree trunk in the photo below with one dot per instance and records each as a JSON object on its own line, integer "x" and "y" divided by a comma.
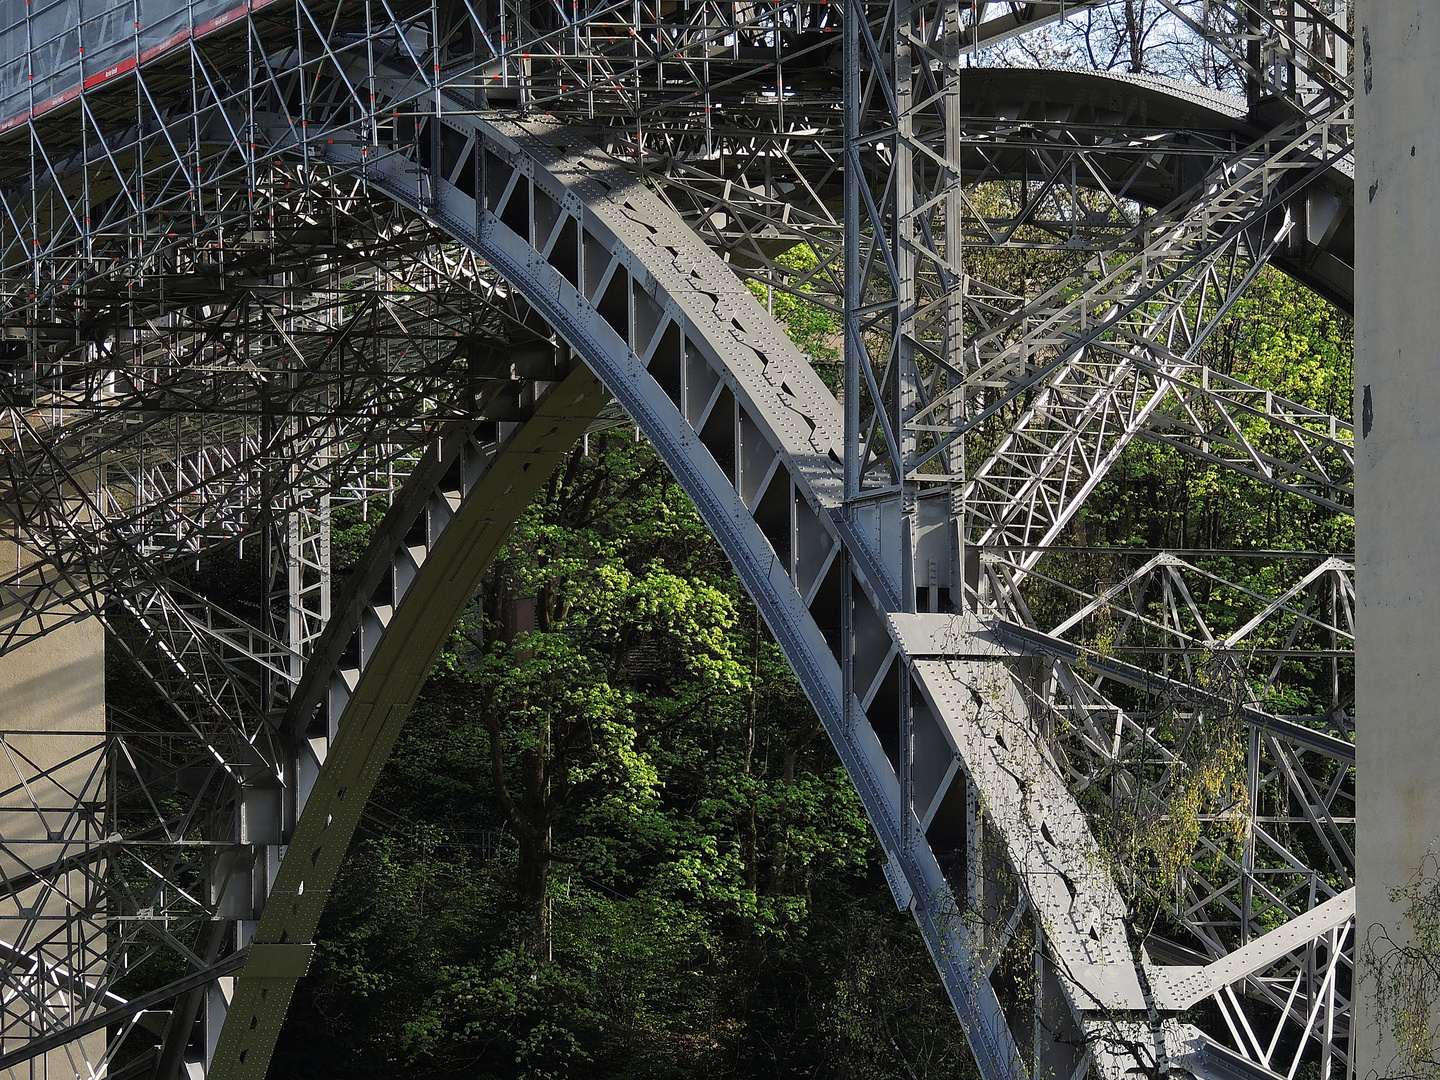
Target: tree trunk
{"x": 532, "y": 882}
{"x": 1135, "y": 34}
{"x": 532, "y": 815}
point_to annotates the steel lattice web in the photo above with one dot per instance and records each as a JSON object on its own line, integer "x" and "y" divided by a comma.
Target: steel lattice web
{"x": 257, "y": 263}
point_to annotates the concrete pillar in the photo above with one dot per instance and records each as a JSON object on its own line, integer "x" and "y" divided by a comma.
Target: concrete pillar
{"x": 1397, "y": 484}
{"x": 52, "y": 790}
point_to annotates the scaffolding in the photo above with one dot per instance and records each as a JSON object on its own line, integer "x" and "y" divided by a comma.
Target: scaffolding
{"x": 259, "y": 262}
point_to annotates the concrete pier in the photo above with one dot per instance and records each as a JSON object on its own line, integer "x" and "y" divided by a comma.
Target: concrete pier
{"x": 1397, "y": 484}
{"x": 52, "y": 790}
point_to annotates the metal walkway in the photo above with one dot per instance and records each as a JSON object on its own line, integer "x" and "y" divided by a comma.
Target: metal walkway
{"x": 258, "y": 261}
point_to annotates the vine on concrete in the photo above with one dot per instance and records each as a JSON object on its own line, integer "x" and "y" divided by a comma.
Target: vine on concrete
{"x": 1406, "y": 976}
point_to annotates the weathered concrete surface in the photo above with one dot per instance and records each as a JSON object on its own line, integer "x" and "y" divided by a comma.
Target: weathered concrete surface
{"x": 1397, "y": 486}
{"x": 52, "y": 790}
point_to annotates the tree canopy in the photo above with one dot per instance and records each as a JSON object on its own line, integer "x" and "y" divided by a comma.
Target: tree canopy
{"x": 613, "y": 840}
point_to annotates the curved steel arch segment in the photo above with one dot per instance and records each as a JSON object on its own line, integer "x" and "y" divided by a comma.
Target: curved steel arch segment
{"x": 1088, "y": 128}
{"x": 746, "y": 415}
{"x": 413, "y": 583}
{"x": 929, "y": 712}
{"x": 754, "y": 438}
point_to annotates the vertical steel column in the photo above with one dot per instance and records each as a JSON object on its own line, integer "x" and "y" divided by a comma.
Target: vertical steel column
{"x": 854, "y": 344}
{"x": 853, "y": 30}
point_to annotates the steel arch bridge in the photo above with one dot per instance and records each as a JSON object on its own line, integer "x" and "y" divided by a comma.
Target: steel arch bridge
{"x": 257, "y": 261}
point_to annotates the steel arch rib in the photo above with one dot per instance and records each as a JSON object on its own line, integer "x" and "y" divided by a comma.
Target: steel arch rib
{"x": 755, "y": 439}
{"x": 739, "y": 378}
{"x": 412, "y": 585}
{"x": 1022, "y": 116}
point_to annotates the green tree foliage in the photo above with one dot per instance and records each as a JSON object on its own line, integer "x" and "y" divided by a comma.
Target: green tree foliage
{"x": 1403, "y": 976}
{"x": 617, "y": 842}
{"x": 1279, "y": 337}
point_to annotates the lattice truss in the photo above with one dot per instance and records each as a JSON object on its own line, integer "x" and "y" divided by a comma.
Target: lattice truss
{"x": 231, "y": 300}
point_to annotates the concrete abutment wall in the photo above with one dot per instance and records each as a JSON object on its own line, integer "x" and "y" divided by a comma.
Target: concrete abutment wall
{"x": 1397, "y": 484}
{"x": 52, "y": 793}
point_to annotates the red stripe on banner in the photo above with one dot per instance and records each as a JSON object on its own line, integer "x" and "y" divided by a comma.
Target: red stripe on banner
{"x": 110, "y": 72}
